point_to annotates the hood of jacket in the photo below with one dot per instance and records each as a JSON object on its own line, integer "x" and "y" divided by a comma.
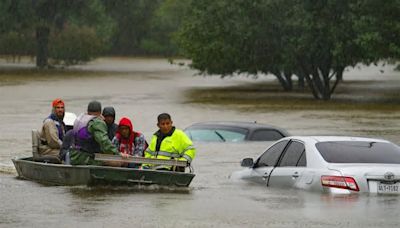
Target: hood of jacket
{"x": 126, "y": 122}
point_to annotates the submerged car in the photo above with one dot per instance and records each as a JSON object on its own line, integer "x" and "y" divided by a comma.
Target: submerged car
{"x": 327, "y": 164}
{"x": 231, "y": 131}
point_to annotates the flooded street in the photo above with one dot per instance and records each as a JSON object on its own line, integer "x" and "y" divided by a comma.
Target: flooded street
{"x": 141, "y": 89}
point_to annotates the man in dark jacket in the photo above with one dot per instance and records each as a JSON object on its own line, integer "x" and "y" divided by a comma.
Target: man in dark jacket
{"x": 109, "y": 118}
{"x": 68, "y": 140}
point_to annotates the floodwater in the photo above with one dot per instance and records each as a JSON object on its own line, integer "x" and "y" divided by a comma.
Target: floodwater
{"x": 143, "y": 88}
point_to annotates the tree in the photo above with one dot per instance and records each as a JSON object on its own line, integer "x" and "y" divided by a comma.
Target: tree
{"x": 133, "y": 19}
{"x": 312, "y": 39}
{"x": 145, "y": 27}
{"x": 164, "y": 24}
{"x": 74, "y": 45}
{"x": 42, "y": 17}
{"x": 17, "y": 44}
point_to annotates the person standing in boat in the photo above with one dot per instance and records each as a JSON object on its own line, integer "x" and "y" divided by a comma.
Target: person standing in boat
{"x": 129, "y": 141}
{"x": 169, "y": 143}
{"x": 109, "y": 118}
{"x": 53, "y": 130}
{"x": 90, "y": 133}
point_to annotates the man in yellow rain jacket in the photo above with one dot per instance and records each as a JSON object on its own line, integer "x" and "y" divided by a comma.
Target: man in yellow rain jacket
{"x": 169, "y": 143}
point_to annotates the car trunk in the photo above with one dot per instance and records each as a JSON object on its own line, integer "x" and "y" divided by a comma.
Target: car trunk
{"x": 372, "y": 178}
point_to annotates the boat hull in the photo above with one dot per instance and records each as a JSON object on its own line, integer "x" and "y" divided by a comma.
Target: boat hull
{"x": 60, "y": 174}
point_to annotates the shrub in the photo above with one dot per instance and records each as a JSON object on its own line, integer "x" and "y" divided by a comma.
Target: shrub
{"x": 74, "y": 45}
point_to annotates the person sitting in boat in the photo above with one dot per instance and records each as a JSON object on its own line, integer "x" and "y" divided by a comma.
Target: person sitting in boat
{"x": 169, "y": 143}
{"x": 90, "y": 133}
{"x": 53, "y": 131}
{"x": 69, "y": 119}
{"x": 109, "y": 117}
{"x": 129, "y": 141}
{"x": 68, "y": 140}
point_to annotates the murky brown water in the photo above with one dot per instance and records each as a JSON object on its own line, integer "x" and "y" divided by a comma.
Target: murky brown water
{"x": 141, "y": 89}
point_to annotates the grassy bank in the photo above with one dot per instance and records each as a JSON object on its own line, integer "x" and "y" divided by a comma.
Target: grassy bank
{"x": 269, "y": 96}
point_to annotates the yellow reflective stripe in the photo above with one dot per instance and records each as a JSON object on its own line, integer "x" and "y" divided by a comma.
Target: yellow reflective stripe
{"x": 150, "y": 152}
{"x": 188, "y": 148}
{"x": 188, "y": 158}
{"x": 168, "y": 154}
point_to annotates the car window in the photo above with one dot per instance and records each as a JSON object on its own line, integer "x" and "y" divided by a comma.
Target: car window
{"x": 266, "y": 135}
{"x": 215, "y": 135}
{"x": 302, "y": 161}
{"x": 359, "y": 152}
{"x": 292, "y": 154}
{"x": 271, "y": 156}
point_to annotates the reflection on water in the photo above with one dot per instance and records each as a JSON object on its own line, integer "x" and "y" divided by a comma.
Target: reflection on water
{"x": 87, "y": 192}
{"x": 141, "y": 89}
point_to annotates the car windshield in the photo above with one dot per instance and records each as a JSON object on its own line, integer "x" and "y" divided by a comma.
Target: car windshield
{"x": 216, "y": 135}
{"x": 359, "y": 152}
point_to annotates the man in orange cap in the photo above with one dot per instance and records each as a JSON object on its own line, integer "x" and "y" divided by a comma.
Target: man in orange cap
{"x": 53, "y": 130}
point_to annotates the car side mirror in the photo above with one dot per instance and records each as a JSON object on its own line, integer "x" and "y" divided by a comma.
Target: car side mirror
{"x": 247, "y": 162}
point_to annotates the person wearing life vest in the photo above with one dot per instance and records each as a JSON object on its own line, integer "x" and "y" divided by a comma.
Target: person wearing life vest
{"x": 169, "y": 143}
{"x": 53, "y": 131}
{"x": 129, "y": 141}
{"x": 90, "y": 133}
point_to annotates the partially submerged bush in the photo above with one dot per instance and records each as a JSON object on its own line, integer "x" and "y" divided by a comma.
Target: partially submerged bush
{"x": 17, "y": 44}
{"x": 74, "y": 45}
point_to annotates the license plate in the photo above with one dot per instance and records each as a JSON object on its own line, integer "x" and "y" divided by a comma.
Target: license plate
{"x": 389, "y": 188}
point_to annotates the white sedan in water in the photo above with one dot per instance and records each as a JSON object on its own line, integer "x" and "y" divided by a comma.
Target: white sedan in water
{"x": 327, "y": 164}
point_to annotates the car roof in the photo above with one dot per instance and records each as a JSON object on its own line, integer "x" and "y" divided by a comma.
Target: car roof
{"x": 334, "y": 138}
{"x": 240, "y": 124}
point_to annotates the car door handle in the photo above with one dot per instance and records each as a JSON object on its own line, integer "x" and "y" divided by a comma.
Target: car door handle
{"x": 295, "y": 175}
{"x": 266, "y": 175}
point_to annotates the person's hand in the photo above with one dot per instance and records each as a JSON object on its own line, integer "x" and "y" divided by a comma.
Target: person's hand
{"x": 124, "y": 155}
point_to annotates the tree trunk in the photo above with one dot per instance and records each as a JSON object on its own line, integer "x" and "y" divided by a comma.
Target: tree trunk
{"x": 323, "y": 82}
{"x": 42, "y": 38}
{"x": 318, "y": 84}
{"x": 301, "y": 82}
{"x": 285, "y": 80}
{"x": 318, "y": 80}
{"x": 322, "y": 85}
{"x": 339, "y": 77}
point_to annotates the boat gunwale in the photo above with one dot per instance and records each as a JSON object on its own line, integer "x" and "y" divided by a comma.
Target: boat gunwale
{"x": 24, "y": 159}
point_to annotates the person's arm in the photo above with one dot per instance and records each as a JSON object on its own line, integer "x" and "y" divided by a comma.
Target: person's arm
{"x": 115, "y": 142}
{"x": 98, "y": 129}
{"x": 51, "y": 134}
{"x": 148, "y": 153}
{"x": 188, "y": 152}
{"x": 67, "y": 142}
{"x": 140, "y": 146}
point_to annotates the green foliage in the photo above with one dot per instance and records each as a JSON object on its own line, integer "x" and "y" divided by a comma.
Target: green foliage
{"x": 44, "y": 18}
{"x": 75, "y": 45}
{"x": 153, "y": 47}
{"x": 94, "y": 15}
{"x": 17, "y": 44}
{"x": 163, "y": 26}
{"x": 313, "y": 39}
{"x": 145, "y": 27}
{"x": 125, "y": 27}
{"x": 133, "y": 19}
